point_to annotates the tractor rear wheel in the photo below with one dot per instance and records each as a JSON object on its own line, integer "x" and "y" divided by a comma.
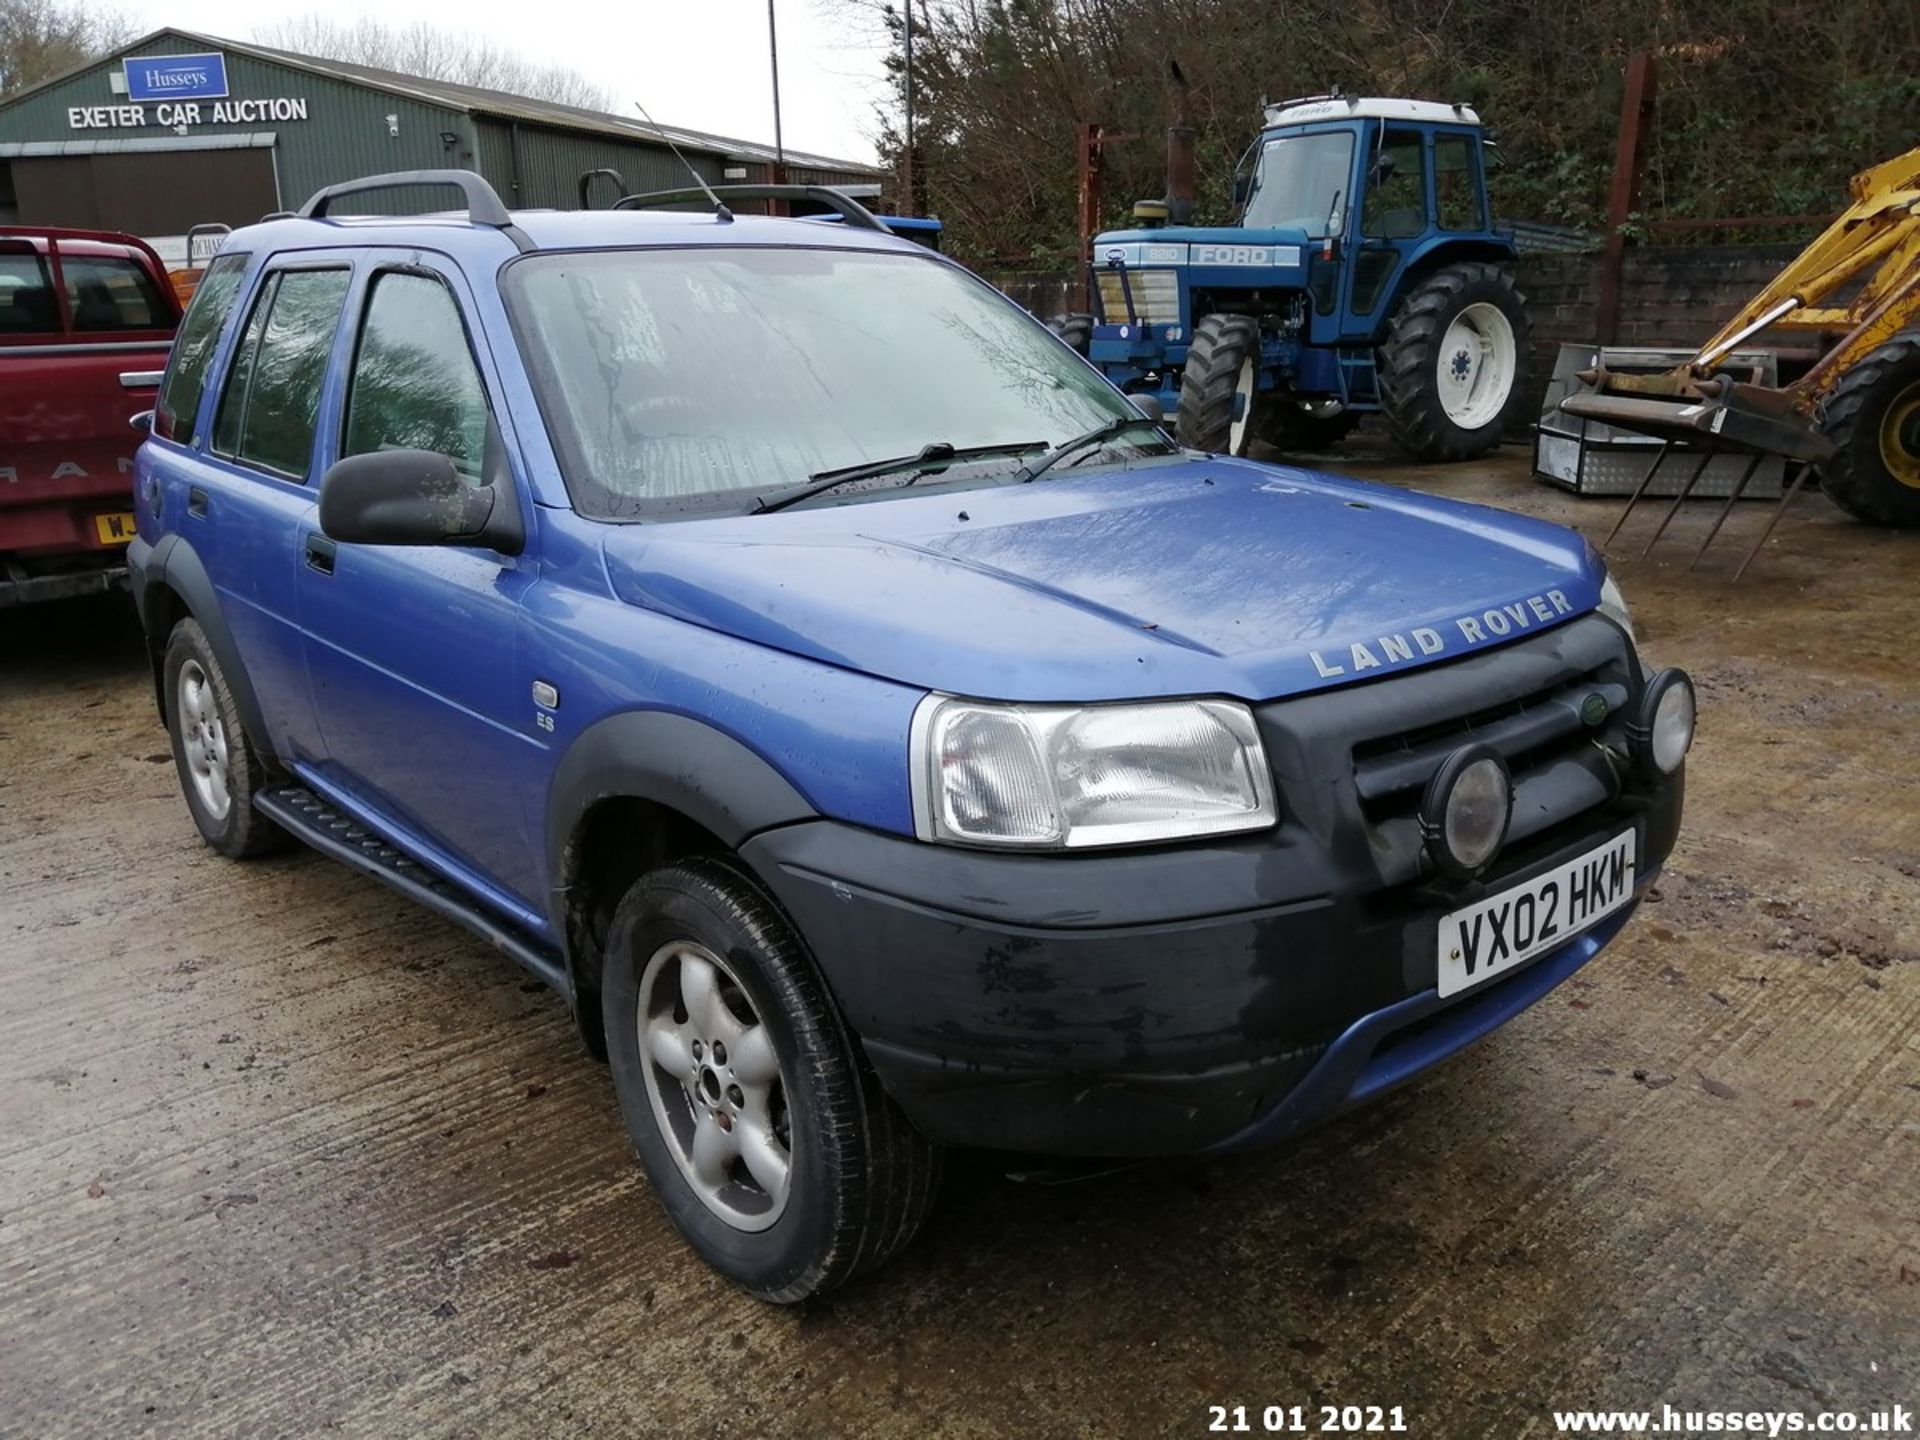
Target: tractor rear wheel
{"x": 1453, "y": 365}
{"x": 1218, "y": 384}
{"x": 1873, "y": 418}
{"x": 1076, "y": 330}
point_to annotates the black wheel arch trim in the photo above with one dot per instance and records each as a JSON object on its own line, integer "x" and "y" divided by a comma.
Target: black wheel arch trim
{"x": 172, "y": 564}
{"x": 672, "y": 760}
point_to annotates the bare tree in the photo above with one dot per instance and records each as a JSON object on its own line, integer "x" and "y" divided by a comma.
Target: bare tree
{"x": 431, "y": 53}
{"x": 40, "y": 39}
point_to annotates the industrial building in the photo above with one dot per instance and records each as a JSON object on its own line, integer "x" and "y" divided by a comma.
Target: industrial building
{"x": 179, "y": 129}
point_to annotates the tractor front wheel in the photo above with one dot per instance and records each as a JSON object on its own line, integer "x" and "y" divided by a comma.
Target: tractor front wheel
{"x": 1873, "y": 418}
{"x": 1217, "y": 385}
{"x": 1454, "y": 361}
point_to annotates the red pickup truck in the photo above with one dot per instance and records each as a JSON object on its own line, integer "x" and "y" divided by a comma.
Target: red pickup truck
{"x": 86, "y": 318}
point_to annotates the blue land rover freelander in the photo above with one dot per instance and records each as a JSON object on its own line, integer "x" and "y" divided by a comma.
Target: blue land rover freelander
{"x": 881, "y": 734}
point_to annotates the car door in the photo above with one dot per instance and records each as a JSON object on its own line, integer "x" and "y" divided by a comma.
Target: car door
{"x": 234, "y": 474}
{"x": 1394, "y": 218}
{"x": 412, "y": 649}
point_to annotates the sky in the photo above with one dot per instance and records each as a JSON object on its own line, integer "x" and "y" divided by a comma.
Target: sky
{"x": 698, "y": 63}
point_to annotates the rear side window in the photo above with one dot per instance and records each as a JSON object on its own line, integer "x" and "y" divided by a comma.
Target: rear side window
{"x": 179, "y": 405}
{"x": 271, "y": 402}
{"x": 27, "y": 304}
{"x": 110, "y": 292}
{"x": 415, "y": 385}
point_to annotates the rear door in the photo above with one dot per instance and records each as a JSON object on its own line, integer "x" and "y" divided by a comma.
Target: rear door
{"x": 239, "y": 491}
{"x": 413, "y": 650}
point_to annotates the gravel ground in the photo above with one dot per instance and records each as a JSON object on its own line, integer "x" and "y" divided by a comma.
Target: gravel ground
{"x": 281, "y": 1155}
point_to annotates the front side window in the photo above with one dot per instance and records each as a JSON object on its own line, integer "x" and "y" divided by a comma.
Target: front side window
{"x": 271, "y": 403}
{"x": 415, "y": 385}
{"x": 177, "y": 411}
{"x": 111, "y": 292}
{"x": 27, "y": 304}
{"x": 676, "y": 379}
{"x": 1301, "y": 184}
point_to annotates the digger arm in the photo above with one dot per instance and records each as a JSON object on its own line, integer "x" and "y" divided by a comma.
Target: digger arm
{"x": 1880, "y": 229}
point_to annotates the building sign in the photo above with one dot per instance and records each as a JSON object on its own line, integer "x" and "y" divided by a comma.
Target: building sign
{"x": 180, "y": 115}
{"x": 177, "y": 77}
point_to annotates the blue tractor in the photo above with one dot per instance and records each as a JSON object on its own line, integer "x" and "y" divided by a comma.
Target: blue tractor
{"x": 1364, "y": 276}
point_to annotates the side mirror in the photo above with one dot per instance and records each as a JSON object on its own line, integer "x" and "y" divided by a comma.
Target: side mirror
{"x": 1383, "y": 167}
{"x": 415, "y": 497}
{"x": 1242, "y": 188}
{"x": 141, "y": 420}
{"x": 1148, "y": 404}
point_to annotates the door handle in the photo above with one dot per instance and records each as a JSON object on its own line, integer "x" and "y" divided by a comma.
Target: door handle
{"x": 320, "y": 551}
{"x": 197, "y": 502}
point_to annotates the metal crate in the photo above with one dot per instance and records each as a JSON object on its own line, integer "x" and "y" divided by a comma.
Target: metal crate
{"x": 1590, "y": 458}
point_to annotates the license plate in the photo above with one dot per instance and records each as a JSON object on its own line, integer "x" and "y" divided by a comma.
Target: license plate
{"x": 1501, "y": 933}
{"x": 115, "y": 529}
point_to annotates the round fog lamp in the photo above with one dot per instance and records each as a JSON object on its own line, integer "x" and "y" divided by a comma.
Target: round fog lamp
{"x": 1465, "y": 811}
{"x": 1662, "y": 731}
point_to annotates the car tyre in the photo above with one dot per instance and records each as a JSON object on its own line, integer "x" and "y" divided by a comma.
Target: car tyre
{"x": 220, "y": 766}
{"x": 764, "y": 1131}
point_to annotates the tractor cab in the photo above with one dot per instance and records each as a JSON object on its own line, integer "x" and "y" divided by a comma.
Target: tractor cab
{"x": 1348, "y": 208}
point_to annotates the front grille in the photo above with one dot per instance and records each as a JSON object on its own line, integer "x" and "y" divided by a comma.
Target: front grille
{"x": 1388, "y": 737}
{"x": 1561, "y": 764}
{"x": 1155, "y": 293}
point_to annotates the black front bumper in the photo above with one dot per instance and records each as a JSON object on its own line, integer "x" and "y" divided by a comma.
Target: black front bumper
{"x": 1156, "y": 1002}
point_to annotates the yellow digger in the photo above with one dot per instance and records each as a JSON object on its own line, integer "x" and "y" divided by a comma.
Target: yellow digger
{"x": 1855, "y": 415}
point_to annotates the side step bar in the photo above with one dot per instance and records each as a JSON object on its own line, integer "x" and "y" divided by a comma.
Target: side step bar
{"x": 300, "y": 812}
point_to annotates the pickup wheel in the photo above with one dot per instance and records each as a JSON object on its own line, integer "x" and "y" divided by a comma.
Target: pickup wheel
{"x": 764, "y": 1131}
{"x": 1452, "y": 369}
{"x": 221, "y": 769}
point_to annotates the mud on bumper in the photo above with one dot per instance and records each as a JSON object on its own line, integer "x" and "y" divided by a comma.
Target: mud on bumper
{"x": 1226, "y": 994}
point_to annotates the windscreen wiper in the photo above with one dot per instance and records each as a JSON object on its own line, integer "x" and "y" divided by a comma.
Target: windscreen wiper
{"x": 940, "y": 452}
{"x": 1099, "y": 435}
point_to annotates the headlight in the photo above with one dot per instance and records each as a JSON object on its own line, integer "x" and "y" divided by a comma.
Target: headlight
{"x": 1662, "y": 728}
{"x": 1613, "y": 605}
{"x": 1466, "y": 809}
{"x": 1062, "y": 777}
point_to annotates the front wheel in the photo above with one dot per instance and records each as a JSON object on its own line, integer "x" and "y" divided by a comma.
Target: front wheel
{"x": 1873, "y": 419}
{"x": 1218, "y": 386}
{"x": 764, "y": 1131}
{"x": 1453, "y": 367}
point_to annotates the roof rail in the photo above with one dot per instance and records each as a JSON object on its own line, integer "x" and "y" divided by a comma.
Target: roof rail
{"x": 483, "y": 201}
{"x": 849, "y": 209}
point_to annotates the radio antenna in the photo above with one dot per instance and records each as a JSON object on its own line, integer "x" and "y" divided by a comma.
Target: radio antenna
{"x": 719, "y": 210}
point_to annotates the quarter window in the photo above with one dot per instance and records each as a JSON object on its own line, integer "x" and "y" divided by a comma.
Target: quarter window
{"x": 415, "y": 385}
{"x": 271, "y": 403}
{"x": 178, "y": 409}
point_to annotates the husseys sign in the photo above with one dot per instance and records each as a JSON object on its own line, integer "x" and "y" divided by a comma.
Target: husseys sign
{"x": 177, "y": 91}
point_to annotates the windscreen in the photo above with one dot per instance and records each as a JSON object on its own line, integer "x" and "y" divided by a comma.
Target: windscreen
{"x": 1301, "y": 183}
{"x": 676, "y": 379}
